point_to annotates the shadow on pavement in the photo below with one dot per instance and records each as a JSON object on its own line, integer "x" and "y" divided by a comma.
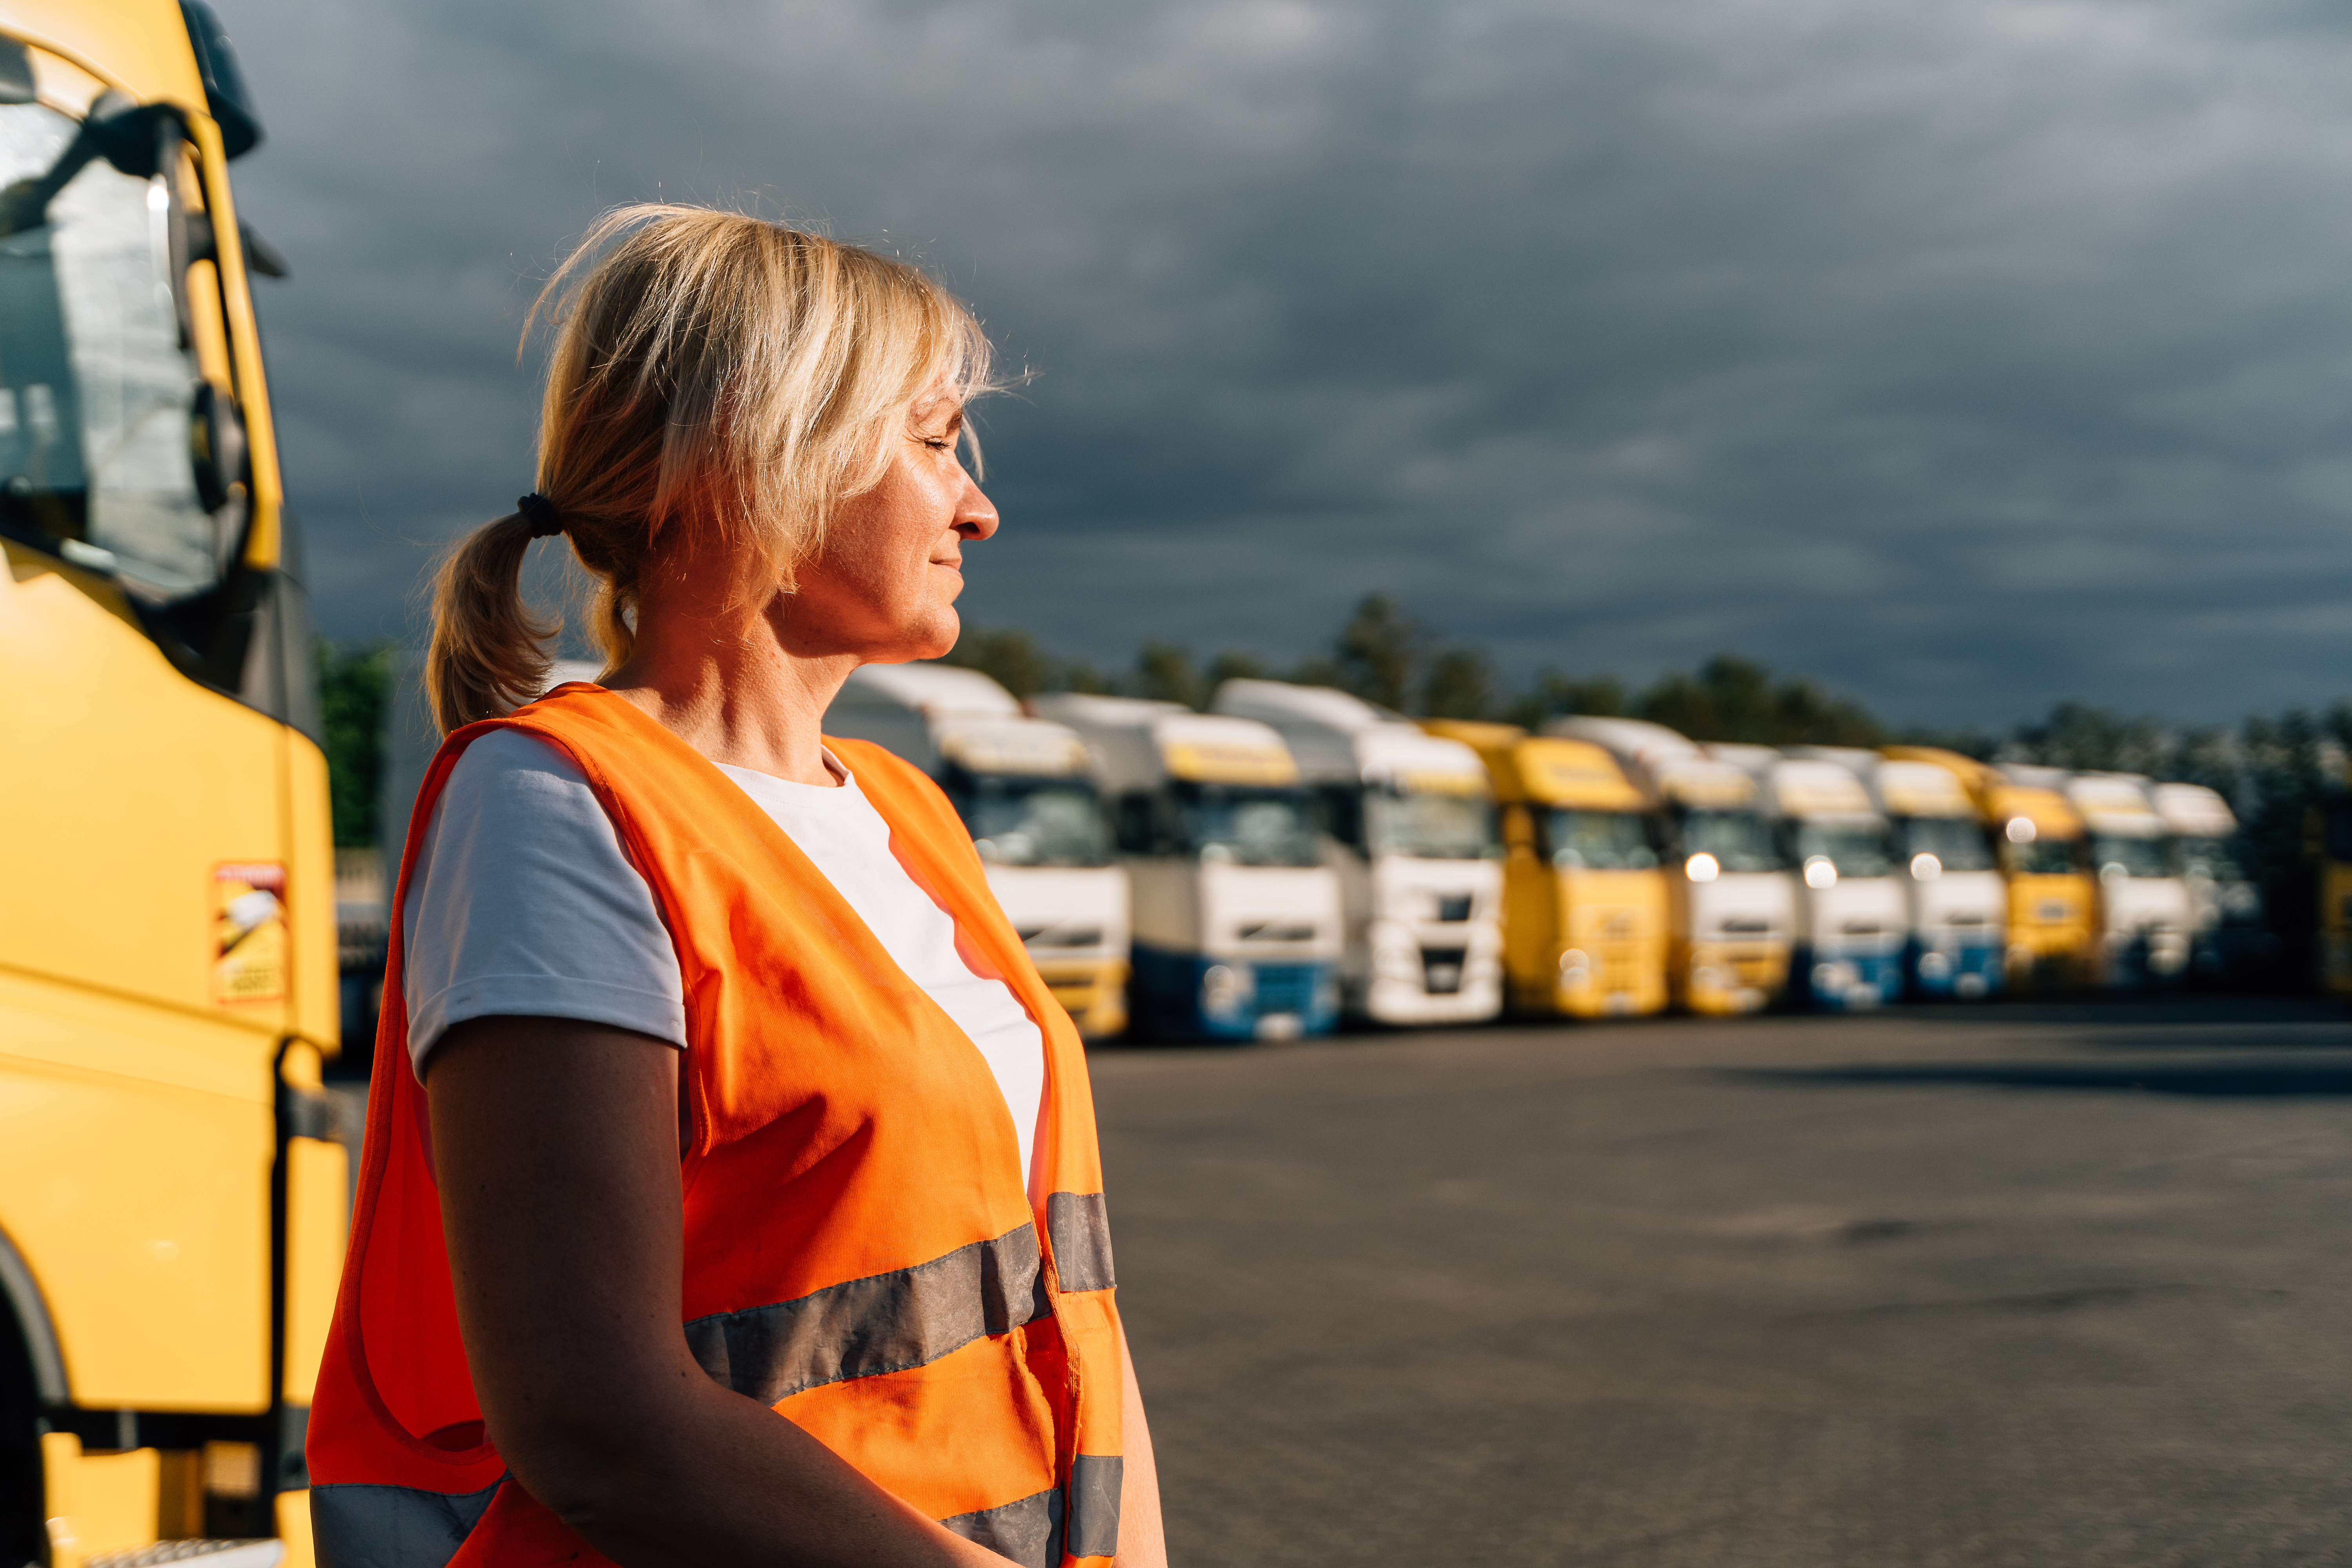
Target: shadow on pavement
{"x": 2241, "y": 1079}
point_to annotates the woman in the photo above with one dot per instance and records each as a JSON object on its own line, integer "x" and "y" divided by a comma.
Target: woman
{"x": 711, "y": 1085}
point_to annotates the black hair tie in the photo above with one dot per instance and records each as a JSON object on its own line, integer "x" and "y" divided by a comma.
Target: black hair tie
{"x": 540, "y": 513}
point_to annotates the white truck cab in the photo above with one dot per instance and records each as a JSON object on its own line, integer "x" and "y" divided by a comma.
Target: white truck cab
{"x": 1956, "y": 901}
{"x": 2227, "y": 942}
{"x": 1409, "y": 827}
{"x": 2142, "y": 899}
{"x": 1731, "y": 902}
{"x": 1028, "y": 792}
{"x": 1236, "y": 917}
{"x": 1852, "y": 923}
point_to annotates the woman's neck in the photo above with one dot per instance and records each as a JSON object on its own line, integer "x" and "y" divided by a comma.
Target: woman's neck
{"x": 723, "y": 682}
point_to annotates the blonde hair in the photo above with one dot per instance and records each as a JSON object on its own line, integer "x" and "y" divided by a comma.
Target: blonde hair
{"x": 712, "y": 372}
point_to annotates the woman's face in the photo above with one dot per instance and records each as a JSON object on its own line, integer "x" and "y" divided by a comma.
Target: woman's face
{"x": 884, "y": 587}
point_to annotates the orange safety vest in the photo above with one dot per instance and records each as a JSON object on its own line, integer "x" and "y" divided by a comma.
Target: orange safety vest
{"x": 861, "y": 1253}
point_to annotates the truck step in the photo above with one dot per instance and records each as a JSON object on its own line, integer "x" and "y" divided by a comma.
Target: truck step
{"x": 211, "y": 1553}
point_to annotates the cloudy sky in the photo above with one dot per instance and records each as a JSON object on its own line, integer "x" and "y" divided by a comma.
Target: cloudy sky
{"x": 1966, "y": 354}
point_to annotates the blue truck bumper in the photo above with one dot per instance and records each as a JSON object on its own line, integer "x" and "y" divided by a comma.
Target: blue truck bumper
{"x": 1189, "y": 997}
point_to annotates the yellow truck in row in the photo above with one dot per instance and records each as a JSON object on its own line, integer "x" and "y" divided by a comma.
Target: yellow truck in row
{"x": 1584, "y": 899}
{"x": 172, "y": 1206}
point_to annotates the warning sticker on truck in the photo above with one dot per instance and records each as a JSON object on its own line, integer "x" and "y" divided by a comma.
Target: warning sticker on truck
{"x": 249, "y": 936}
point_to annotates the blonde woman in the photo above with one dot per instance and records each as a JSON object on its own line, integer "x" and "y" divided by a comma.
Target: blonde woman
{"x": 731, "y": 1192}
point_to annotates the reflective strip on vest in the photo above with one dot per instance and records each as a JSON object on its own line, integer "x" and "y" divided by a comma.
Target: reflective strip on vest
{"x": 1079, "y": 1224}
{"x": 1029, "y": 1530}
{"x": 885, "y": 1322}
{"x": 1095, "y": 1483}
{"x": 362, "y": 1526}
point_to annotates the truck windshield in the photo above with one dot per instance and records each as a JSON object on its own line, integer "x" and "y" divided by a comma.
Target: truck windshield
{"x": 1427, "y": 824}
{"x": 1025, "y": 820}
{"x": 2209, "y": 858}
{"x": 1856, "y": 850}
{"x": 1740, "y": 841}
{"x": 1246, "y": 824}
{"x": 1958, "y": 843}
{"x": 2039, "y": 858}
{"x": 2116, "y": 855}
{"x": 94, "y": 386}
{"x": 1600, "y": 841}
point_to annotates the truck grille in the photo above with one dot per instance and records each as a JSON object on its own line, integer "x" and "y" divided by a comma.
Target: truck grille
{"x": 1285, "y": 988}
{"x": 1441, "y": 969}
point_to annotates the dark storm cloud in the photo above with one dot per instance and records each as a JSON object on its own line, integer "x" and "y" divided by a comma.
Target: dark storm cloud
{"x": 1967, "y": 355}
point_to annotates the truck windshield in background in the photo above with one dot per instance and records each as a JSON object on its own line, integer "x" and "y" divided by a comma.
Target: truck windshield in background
{"x": 1957, "y": 843}
{"x": 2215, "y": 859}
{"x": 2121, "y": 855}
{"x": 95, "y": 388}
{"x": 1739, "y": 841}
{"x": 1855, "y": 850}
{"x": 2039, "y": 856}
{"x": 1428, "y": 825}
{"x": 1246, "y": 825}
{"x": 1025, "y": 820}
{"x": 1600, "y": 841}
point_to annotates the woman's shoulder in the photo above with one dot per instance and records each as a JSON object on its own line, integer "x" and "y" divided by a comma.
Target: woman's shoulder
{"x": 509, "y": 760}
{"x": 510, "y": 786}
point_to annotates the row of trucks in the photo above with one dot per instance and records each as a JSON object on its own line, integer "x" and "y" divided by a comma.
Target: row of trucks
{"x": 1296, "y": 856}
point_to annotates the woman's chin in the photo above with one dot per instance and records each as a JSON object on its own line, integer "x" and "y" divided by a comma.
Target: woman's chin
{"x": 936, "y": 638}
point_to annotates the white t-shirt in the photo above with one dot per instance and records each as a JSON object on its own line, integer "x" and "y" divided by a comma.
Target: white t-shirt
{"x": 522, "y": 902}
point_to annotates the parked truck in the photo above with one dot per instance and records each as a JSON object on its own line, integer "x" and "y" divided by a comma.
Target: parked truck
{"x": 1730, "y": 901}
{"x": 1235, "y": 917}
{"x": 172, "y": 1201}
{"x": 1584, "y": 889}
{"x": 2227, "y": 942}
{"x": 2143, "y": 901}
{"x": 1954, "y": 900}
{"x": 1408, "y": 828}
{"x": 1026, "y": 790}
{"x": 1851, "y": 926}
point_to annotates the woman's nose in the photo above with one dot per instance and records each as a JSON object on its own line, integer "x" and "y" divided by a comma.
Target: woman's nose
{"x": 975, "y": 518}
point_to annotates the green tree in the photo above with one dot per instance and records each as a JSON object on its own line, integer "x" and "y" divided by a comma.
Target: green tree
{"x": 1735, "y": 699}
{"x": 1164, "y": 672}
{"x": 1459, "y": 684}
{"x": 354, "y": 689}
{"x": 2091, "y": 739}
{"x": 1379, "y": 651}
{"x": 1553, "y": 693}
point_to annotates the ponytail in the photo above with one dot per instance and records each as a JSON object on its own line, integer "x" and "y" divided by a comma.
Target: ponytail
{"x": 489, "y": 655}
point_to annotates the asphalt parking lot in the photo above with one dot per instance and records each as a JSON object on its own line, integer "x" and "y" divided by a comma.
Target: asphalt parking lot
{"x": 2032, "y": 1284}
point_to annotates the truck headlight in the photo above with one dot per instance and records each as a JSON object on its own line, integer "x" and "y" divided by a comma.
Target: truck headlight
{"x": 1225, "y": 990}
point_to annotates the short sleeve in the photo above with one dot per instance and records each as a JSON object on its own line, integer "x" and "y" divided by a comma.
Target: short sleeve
{"x": 522, "y": 902}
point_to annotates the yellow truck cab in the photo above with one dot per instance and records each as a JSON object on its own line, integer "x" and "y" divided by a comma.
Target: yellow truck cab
{"x": 2038, "y": 842}
{"x": 1584, "y": 899}
{"x": 171, "y": 1204}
